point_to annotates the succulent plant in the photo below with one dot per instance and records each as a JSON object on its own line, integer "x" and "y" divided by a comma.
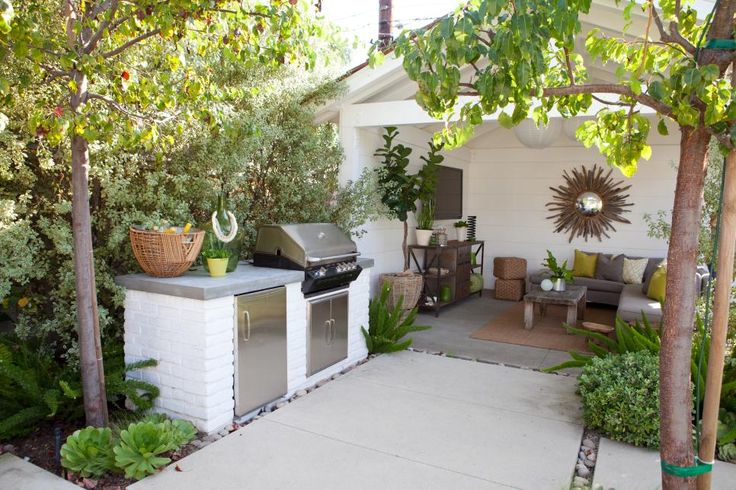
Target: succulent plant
{"x": 141, "y": 448}
{"x": 88, "y": 452}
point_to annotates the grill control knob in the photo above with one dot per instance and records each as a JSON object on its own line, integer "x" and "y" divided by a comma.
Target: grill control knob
{"x": 321, "y": 272}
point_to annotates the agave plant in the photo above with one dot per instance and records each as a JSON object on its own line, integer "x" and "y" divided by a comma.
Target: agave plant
{"x": 88, "y": 452}
{"x": 387, "y": 326}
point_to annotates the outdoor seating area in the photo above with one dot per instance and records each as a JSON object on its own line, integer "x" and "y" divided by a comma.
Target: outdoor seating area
{"x": 376, "y": 244}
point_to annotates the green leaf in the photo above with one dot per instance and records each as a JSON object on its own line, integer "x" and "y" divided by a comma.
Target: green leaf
{"x": 662, "y": 128}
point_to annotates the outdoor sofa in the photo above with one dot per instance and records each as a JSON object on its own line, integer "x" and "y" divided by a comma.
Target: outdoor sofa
{"x": 631, "y": 299}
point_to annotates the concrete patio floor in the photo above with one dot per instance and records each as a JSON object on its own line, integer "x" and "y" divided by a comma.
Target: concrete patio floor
{"x": 406, "y": 420}
{"x": 450, "y": 333}
{"x": 624, "y": 467}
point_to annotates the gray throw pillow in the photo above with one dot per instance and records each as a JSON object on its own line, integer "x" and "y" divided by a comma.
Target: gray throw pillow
{"x": 610, "y": 268}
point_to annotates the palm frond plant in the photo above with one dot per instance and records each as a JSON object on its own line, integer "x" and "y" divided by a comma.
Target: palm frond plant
{"x": 387, "y": 326}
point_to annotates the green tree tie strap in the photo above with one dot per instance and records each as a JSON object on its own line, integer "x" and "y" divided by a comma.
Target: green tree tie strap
{"x": 721, "y": 44}
{"x": 698, "y": 468}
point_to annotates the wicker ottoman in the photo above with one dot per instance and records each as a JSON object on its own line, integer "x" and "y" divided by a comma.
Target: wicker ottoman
{"x": 511, "y": 289}
{"x": 509, "y": 267}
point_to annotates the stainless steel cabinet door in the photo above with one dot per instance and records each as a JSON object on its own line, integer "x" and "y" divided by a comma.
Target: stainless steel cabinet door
{"x": 260, "y": 354}
{"x": 327, "y": 331}
{"x": 320, "y": 332}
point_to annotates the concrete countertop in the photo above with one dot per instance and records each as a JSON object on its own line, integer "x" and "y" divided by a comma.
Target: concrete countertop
{"x": 197, "y": 284}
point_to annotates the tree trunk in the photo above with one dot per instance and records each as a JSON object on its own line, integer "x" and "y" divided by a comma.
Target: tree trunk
{"x": 679, "y": 310}
{"x": 93, "y": 375}
{"x": 719, "y": 330}
{"x": 405, "y": 246}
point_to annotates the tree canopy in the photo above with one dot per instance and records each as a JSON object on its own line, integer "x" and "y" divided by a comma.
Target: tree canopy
{"x": 518, "y": 58}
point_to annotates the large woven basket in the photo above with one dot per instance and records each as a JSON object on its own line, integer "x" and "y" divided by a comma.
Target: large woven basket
{"x": 165, "y": 255}
{"x": 407, "y": 285}
{"x": 509, "y": 267}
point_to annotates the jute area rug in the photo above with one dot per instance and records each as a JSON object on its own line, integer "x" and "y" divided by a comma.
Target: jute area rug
{"x": 548, "y": 332}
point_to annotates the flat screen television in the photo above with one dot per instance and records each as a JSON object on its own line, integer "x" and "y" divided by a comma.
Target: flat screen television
{"x": 448, "y": 197}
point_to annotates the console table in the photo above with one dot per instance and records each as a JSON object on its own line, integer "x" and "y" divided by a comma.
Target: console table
{"x": 456, "y": 258}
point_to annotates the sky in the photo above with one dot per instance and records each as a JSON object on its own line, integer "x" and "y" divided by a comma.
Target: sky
{"x": 359, "y": 18}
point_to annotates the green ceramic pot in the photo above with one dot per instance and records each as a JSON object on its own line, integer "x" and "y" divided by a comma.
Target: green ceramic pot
{"x": 445, "y": 293}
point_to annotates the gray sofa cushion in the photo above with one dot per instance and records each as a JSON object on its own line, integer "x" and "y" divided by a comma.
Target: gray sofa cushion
{"x": 610, "y": 268}
{"x": 633, "y": 302}
{"x": 599, "y": 284}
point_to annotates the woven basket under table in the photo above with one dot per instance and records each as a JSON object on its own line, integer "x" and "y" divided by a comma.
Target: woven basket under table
{"x": 165, "y": 255}
{"x": 408, "y": 286}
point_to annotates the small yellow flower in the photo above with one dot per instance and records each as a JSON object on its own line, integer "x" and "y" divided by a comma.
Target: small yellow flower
{"x": 23, "y": 302}
{"x": 187, "y": 227}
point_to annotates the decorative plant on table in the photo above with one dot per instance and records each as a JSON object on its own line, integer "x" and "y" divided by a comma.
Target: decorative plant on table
{"x": 461, "y": 227}
{"x": 399, "y": 192}
{"x": 225, "y": 227}
{"x": 388, "y": 325}
{"x": 425, "y": 222}
{"x": 560, "y": 273}
{"x": 216, "y": 256}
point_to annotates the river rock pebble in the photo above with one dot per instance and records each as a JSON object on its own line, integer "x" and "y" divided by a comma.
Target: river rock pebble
{"x": 579, "y": 482}
{"x": 583, "y": 471}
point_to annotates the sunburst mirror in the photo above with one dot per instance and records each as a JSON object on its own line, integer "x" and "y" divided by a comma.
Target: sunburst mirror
{"x": 588, "y": 203}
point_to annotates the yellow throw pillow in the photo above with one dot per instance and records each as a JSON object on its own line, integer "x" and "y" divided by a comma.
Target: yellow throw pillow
{"x": 657, "y": 284}
{"x": 584, "y": 265}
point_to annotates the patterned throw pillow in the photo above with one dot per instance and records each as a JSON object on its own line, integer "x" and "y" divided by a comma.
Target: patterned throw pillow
{"x": 634, "y": 270}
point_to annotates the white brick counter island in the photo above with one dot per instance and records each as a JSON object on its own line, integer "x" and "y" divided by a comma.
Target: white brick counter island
{"x": 187, "y": 324}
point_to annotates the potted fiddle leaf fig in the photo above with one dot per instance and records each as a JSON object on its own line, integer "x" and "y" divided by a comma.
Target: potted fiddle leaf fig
{"x": 399, "y": 192}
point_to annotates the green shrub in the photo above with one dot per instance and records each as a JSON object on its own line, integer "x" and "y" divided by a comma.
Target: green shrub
{"x": 727, "y": 435}
{"x": 88, "y": 452}
{"x": 35, "y": 387}
{"x": 141, "y": 448}
{"x": 387, "y": 326}
{"x": 620, "y": 397}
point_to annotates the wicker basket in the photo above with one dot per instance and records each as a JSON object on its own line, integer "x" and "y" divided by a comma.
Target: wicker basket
{"x": 509, "y": 267}
{"x": 165, "y": 255}
{"x": 407, "y": 285}
{"x": 510, "y": 289}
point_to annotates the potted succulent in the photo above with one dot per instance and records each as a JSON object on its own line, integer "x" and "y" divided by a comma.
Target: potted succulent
{"x": 425, "y": 222}
{"x": 461, "y": 227}
{"x": 560, "y": 273}
{"x": 216, "y": 256}
{"x": 399, "y": 192}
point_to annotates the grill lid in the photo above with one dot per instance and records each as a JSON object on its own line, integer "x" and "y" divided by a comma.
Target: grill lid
{"x": 306, "y": 244}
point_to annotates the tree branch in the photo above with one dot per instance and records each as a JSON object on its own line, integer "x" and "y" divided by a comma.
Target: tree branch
{"x": 674, "y": 36}
{"x": 112, "y": 5}
{"x": 130, "y": 43}
{"x": 120, "y": 108}
{"x": 568, "y": 63}
{"x": 608, "y": 88}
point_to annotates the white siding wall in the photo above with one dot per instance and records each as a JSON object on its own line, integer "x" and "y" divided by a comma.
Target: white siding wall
{"x": 382, "y": 242}
{"x": 509, "y": 187}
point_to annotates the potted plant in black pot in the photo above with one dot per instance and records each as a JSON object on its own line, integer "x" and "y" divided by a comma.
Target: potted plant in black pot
{"x": 399, "y": 191}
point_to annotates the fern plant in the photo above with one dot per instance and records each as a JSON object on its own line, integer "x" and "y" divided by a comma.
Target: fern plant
{"x": 727, "y": 435}
{"x": 141, "y": 449}
{"x": 387, "y": 326}
{"x": 35, "y": 387}
{"x": 88, "y": 452}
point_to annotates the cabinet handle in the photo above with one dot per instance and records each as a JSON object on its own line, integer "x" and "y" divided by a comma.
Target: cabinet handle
{"x": 246, "y": 317}
{"x": 327, "y": 332}
{"x": 334, "y": 331}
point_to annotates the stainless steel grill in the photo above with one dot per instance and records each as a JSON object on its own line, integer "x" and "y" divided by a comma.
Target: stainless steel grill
{"x": 327, "y": 256}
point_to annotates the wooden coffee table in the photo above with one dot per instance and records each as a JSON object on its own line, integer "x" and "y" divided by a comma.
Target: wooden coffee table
{"x": 573, "y": 297}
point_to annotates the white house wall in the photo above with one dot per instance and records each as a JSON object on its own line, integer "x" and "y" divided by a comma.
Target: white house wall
{"x": 510, "y": 185}
{"x": 382, "y": 242}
